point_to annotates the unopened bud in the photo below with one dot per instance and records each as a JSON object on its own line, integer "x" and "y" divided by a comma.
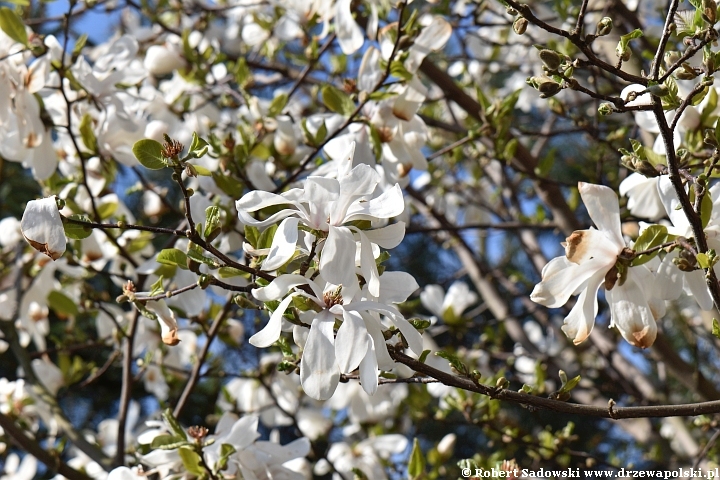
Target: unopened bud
{"x": 624, "y": 53}
{"x": 687, "y": 72}
{"x": 447, "y": 445}
{"x": 671, "y": 57}
{"x": 549, "y": 89}
{"x": 190, "y": 170}
{"x": 204, "y": 281}
{"x": 190, "y": 192}
{"x": 520, "y": 25}
{"x": 502, "y": 383}
{"x": 605, "y": 109}
{"x": 511, "y": 11}
{"x": 604, "y": 26}
{"x": 551, "y": 59}
{"x": 122, "y": 298}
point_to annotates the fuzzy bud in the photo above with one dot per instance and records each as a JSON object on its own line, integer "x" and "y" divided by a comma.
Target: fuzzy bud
{"x": 605, "y": 109}
{"x": 520, "y": 25}
{"x": 604, "y": 26}
{"x": 551, "y": 59}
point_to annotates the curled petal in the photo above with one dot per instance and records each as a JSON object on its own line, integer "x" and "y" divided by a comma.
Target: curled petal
{"x": 349, "y": 35}
{"x": 389, "y": 204}
{"x": 283, "y": 244}
{"x": 270, "y": 334}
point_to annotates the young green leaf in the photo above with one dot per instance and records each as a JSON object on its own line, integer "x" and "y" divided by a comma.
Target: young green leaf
{"x": 416, "y": 466}
{"x": 651, "y": 237}
{"x": 75, "y": 231}
{"x": 149, "y": 154}
{"x": 173, "y": 256}
{"x": 13, "y": 26}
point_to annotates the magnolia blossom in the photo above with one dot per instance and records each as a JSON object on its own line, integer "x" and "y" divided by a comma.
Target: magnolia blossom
{"x": 42, "y": 227}
{"x": 359, "y": 342}
{"x": 590, "y": 260}
{"x": 450, "y": 306}
{"x": 168, "y": 323}
{"x": 643, "y": 198}
{"x": 327, "y": 205}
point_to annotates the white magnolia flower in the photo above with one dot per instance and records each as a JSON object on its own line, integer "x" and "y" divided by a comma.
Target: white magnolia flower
{"x": 673, "y": 279}
{"x": 589, "y": 262}
{"x": 42, "y": 227}
{"x": 366, "y": 456}
{"x": 450, "y": 306}
{"x": 327, "y": 205}
{"x": 359, "y": 343}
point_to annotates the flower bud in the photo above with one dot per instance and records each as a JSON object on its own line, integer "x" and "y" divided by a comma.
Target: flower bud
{"x": 511, "y": 11}
{"x": 447, "y": 445}
{"x": 204, "y": 281}
{"x": 604, "y": 26}
{"x": 671, "y": 57}
{"x": 549, "y": 89}
{"x": 605, "y": 109}
{"x": 551, "y": 59}
{"x": 520, "y": 25}
{"x": 709, "y": 11}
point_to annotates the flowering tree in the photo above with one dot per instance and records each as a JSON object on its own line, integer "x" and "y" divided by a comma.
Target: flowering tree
{"x": 287, "y": 240}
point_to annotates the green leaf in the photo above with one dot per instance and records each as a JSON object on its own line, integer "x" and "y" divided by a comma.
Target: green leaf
{"x": 652, "y": 236}
{"x": 416, "y": 466}
{"x": 454, "y": 361}
{"x": 569, "y": 385}
{"x": 706, "y": 209}
{"x": 424, "y": 355}
{"x": 277, "y": 104}
{"x": 397, "y": 69}
{"x": 13, "y": 26}
{"x": 191, "y": 461}
{"x": 212, "y": 223}
{"x": 198, "y": 148}
{"x": 75, "y": 231}
{"x": 79, "y": 45}
{"x": 173, "y": 256}
{"x": 715, "y": 328}
{"x": 252, "y": 235}
{"x": 87, "y": 134}
{"x": 228, "y": 184}
{"x": 266, "y": 237}
{"x": 157, "y": 287}
{"x": 105, "y": 210}
{"x": 62, "y": 304}
{"x": 149, "y": 154}
{"x": 200, "y": 170}
{"x": 546, "y": 163}
{"x": 168, "y": 442}
{"x": 173, "y": 423}
{"x": 225, "y": 451}
{"x": 229, "y": 272}
{"x": 337, "y": 100}
{"x": 703, "y": 260}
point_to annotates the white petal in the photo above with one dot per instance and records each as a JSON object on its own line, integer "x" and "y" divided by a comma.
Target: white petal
{"x": 561, "y": 278}
{"x": 319, "y": 374}
{"x": 351, "y": 343}
{"x": 695, "y": 281}
{"x": 168, "y": 323}
{"x": 369, "y": 369}
{"x": 349, "y": 35}
{"x": 258, "y": 199}
{"x": 387, "y": 237}
{"x": 396, "y": 287}
{"x": 432, "y": 38}
{"x": 413, "y": 337}
{"x": 370, "y": 73}
{"x": 670, "y": 202}
{"x": 42, "y": 227}
{"x": 270, "y": 334}
{"x": 602, "y": 206}
{"x": 283, "y": 244}
{"x": 361, "y": 181}
{"x": 337, "y": 259}
{"x": 368, "y": 265}
{"x": 631, "y": 314}
{"x": 668, "y": 283}
{"x": 389, "y": 204}
{"x": 459, "y": 297}
{"x": 579, "y": 323}
{"x": 432, "y": 297}
{"x": 278, "y": 287}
